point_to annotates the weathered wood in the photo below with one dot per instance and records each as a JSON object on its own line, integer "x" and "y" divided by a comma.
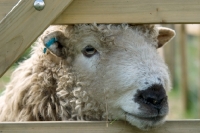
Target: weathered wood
{"x": 131, "y": 11}
{"x": 127, "y": 11}
{"x": 188, "y": 126}
{"x": 22, "y": 26}
{"x": 6, "y": 6}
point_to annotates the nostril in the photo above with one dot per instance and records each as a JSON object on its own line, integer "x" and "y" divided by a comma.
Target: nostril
{"x": 151, "y": 99}
{"x": 154, "y": 101}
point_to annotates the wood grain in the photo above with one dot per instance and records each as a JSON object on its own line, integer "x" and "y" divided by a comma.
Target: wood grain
{"x": 22, "y": 26}
{"x": 131, "y": 11}
{"x": 188, "y": 126}
{"x": 6, "y": 6}
{"x": 124, "y": 11}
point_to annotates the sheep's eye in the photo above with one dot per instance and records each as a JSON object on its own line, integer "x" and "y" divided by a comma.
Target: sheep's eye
{"x": 89, "y": 51}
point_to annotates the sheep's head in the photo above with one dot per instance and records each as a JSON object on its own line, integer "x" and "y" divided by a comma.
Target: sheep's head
{"x": 119, "y": 67}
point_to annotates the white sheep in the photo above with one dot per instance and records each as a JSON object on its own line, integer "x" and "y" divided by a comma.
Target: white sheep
{"x": 92, "y": 72}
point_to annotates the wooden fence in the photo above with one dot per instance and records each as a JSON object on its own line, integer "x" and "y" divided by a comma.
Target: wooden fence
{"x": 23, "y": 24}
{"x": 189, "y": 126}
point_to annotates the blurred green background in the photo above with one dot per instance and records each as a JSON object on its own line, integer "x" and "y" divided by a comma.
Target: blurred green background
{"x": 182, "y": 55}
{"x": 6, "y": 77}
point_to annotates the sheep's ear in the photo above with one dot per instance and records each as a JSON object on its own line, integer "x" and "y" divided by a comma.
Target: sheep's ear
{"x": 54, "y": 42}
{"x": 164, "y": 35}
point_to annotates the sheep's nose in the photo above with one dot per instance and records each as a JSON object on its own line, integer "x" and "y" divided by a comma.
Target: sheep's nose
{"x": 154, "y": 96}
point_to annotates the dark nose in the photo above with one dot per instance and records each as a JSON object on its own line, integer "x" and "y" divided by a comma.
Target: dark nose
{"x": 154, "y": 96}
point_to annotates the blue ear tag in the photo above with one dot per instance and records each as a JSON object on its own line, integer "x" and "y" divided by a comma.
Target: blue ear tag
{"x": 44, "y": 50}
{"x": 49, "y": 43}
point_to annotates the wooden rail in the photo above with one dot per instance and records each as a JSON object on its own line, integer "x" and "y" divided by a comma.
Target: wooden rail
{"x": 131, "y": 11}
{"x": 124, "y": 11}
{"x": 189, "y": 126}
{"x": 6, "y": 6}
{"x": 24, "y": 24}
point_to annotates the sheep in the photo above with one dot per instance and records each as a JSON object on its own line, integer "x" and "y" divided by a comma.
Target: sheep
{"x": 92, "y": 72}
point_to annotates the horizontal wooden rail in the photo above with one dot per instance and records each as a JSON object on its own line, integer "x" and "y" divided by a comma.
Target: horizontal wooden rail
{"x": 131, "y": 11}
{"x": 186, "y": 126}
{"x": 124, "y": 11}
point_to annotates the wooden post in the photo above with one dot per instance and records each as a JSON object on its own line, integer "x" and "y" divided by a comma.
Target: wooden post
{"x": 184, "y": 73}
{"x": 199, "y": 80}
{"x": 6, "y": 6}
{"x": 23, "y": 25}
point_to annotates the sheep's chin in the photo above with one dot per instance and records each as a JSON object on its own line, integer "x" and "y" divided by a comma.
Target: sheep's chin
{"x": 145, "y": 123}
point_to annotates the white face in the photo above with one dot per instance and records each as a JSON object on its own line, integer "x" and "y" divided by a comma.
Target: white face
{"x": 129, "y": 74}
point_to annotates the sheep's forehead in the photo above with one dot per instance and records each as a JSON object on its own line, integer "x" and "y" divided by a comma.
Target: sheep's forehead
{"x": 112, "y": 35}
{"x": 106, "y": 31}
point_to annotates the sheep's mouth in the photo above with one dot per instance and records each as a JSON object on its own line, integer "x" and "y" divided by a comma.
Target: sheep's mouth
{"x": 143, "y": 118}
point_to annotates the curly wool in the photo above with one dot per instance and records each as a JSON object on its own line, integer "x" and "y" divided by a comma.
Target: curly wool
{"x": 46, "y": 92}
{"x": 45, "y": 87}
